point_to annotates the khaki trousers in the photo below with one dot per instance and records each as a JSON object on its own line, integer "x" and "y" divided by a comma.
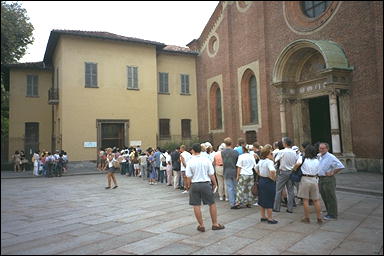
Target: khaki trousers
{"x": 222, "y": 187}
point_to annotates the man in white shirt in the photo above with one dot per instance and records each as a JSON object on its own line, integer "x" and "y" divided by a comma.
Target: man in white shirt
{"x": 200, "y": 173}
{"x": 184, "y": 158}
{"x": 287, "y": 158}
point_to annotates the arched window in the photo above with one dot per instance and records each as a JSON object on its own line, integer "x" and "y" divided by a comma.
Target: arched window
{"x": 254, "y": 115}
{"x": 215, "y": 109}
{"x": 250, "y": 111}
{"x": 219, "y": 121}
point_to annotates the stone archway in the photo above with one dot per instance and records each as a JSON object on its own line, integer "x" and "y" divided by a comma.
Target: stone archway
{"x": 309, "y": 69}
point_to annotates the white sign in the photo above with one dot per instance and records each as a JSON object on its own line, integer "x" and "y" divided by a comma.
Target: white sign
{"x": 90, "y": 144}
{"x": 135, "y": 143}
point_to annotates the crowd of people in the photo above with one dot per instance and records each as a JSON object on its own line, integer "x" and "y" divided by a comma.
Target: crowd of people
{"x": 244, "y": 176}
{"x": 44, "y": 163}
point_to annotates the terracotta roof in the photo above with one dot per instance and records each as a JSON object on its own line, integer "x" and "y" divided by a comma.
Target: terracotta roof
{"x": 178, "y": 49}
{"x": 54, "y": 36}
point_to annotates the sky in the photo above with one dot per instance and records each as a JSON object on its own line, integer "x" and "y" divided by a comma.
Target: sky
{"x": 168, "y": 22}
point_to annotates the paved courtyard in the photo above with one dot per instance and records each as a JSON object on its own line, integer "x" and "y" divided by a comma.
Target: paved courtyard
{"x": 76, "y": 215}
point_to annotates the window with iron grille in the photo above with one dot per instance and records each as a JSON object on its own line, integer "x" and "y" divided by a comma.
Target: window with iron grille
{"x": 164, "y": 128}
{"x": 312, "y": 9}
{"x": 184, "y": 84}
{"x": 90, "y": 75}
{"x": 32, "y": 86}
{"x": 186, "y": 128}
{"x": 163, "y": 82}
{"x": 133, "y": 77}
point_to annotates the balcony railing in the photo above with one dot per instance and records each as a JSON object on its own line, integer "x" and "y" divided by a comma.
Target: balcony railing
{"x": 53, "y": 96}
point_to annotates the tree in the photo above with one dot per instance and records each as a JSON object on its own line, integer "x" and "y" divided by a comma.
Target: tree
{"x": 16, "y": 35}
{"x": 16, "y": 32}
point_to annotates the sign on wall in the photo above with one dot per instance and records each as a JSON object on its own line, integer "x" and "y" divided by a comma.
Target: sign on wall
{"x": 135, "y": 143}
{"x": 90, "y": 144}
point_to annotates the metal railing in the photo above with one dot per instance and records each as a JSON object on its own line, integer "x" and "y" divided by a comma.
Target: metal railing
{"x": 53, "y": 96}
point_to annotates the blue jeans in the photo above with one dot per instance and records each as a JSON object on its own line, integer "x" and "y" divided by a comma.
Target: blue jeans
{"x": 231, "y": 190}
{"x": 157, "y": 170}
{"x": 161, "y": 176}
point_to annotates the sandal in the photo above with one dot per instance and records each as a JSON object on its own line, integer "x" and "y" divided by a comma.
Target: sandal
{"x": 201, "y": 229}
{"x": 218, "y": 227}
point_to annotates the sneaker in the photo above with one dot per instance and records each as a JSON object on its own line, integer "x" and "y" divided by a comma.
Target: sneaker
{"x": 226, "y": 199}
{"x": 256, "y": 204}
{"x": 115, "y": 187}
{"x": 185, "y": 192}
{"x": 329, "y": 217}
{"x": 221, "y": 198}
{"x": 263, "y": 219}
{"x": 107, "y": 187}
{"x": 275, "y": 210}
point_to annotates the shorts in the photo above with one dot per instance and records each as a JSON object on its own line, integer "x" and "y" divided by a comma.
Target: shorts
{"x": 308, "y": 188}
{"x": 111, "y": 169}
{"x": 136, "y": 166}
{"x": 201, "y": 191}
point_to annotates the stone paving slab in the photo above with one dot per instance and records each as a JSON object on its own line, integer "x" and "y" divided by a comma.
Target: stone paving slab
{"x": 76, "y": 215}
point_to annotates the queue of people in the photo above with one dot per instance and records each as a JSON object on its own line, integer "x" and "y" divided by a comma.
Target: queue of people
{"x": 239, "y": 174}
{"x": 44, "y": 163}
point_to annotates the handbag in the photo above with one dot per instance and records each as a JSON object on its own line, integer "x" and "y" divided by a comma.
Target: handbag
{"x": 255, "y": 189}
{"x": 296, "y": 175}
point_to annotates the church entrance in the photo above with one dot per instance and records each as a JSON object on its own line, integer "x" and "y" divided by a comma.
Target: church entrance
{"x": 320, "y": 124}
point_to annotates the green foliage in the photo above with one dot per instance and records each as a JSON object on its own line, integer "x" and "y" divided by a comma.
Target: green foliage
{"x": 16, "y": 35}
{"x": 16, "y": 32}
{"x": 171, "y": 145}
{"x": 4, "y": 111}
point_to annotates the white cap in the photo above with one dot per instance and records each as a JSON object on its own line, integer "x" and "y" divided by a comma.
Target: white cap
{"x": 295, "y": 148}
{"x": 207, "y": 144}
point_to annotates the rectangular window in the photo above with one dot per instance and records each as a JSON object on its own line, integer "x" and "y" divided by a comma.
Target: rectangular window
{"x": 186, "y": 128}
{"x": 32, "y": 86}
{"x": 184, "y": 84}
{"x": 163, "y": 82}
{"x": 132, "y": 78}
{"x": 164, "y": 128}
{"x": 90, "y": 75}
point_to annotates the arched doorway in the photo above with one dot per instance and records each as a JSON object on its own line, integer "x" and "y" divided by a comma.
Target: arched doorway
{"x": 313, "y": 81}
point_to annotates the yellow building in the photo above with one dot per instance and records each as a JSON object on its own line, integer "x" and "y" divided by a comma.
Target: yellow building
{"x": 97, "y": 89}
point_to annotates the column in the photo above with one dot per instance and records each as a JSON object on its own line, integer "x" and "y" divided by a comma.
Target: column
{"x": 282, "y": 118}
{"x": 335, "y": 131}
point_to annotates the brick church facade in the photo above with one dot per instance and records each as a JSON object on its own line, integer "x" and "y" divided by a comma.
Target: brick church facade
{"x": 308, "y": 70}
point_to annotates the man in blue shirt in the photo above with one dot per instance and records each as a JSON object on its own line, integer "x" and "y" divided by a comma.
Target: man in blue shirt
{"x": 157, "y": 162}
{"x": 328, "y": 167}
{"x": 239, "y": 148}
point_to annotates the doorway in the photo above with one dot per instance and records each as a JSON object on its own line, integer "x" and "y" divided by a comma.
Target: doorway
{"x": 31, "y": 143}
{"x": 320, "y": 121}
{"x": 112, "y": 135}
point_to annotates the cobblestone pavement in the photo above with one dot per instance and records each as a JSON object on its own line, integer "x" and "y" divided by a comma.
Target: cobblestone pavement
{"x": 76, "y": 215}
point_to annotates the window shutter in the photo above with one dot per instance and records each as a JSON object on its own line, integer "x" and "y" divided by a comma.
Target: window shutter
{"x": 87, "y": 74}
{"x": 35, "y": 86}
{"x": 29, "y": 85}
{"x": 186, "y": 83}
{"x": 94, "y": 75}
{"x": 136, "y": 86}
{"x": 166, "y": 82}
